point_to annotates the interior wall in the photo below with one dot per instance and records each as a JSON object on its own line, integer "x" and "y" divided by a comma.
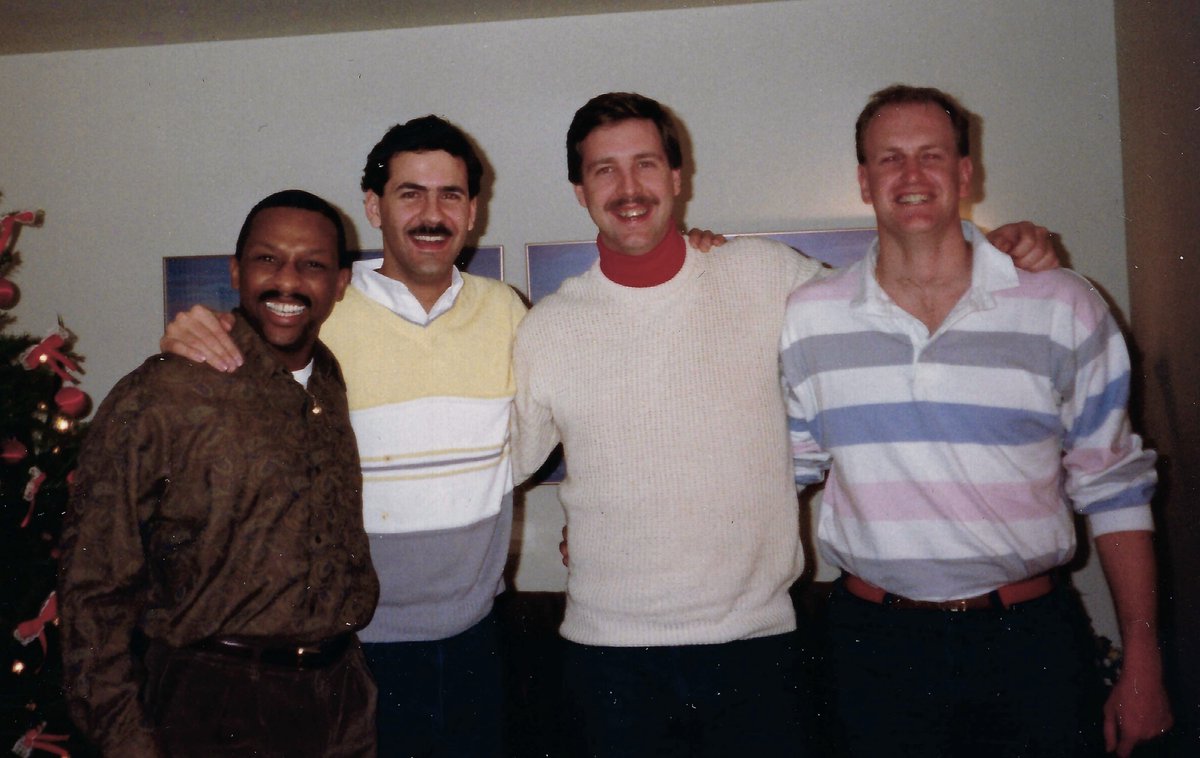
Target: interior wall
{"x": 1158, "y": 54}
{"x": 140, "y": 153}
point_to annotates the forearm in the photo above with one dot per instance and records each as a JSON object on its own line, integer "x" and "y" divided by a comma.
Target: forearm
{"x": 1129, "y": 567}
{"x": 1137, "y": 710}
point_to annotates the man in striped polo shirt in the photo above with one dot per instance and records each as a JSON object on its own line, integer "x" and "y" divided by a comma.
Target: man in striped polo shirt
{"x": 963, "y": 409}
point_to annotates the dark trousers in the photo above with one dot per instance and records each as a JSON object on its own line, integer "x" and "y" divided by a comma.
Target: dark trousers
{"x": 737, "y": 699}
{"x": 440, "y": 698}
{"x": 209, "y": 705}
{"x": 928, "y": 683}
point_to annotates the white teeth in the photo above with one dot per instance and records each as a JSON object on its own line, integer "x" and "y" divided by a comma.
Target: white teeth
{"x": 631, "y": 214}
{"x": 913, "y": 199}
{"x": 285, "y": 309}
{"x": 429, "y": 237}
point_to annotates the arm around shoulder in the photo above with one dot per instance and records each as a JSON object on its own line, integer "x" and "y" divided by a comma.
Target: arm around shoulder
{"x": 534, "y": 434}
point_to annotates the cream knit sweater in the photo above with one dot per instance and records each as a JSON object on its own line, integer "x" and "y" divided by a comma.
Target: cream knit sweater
{"x": 679, "y": 493}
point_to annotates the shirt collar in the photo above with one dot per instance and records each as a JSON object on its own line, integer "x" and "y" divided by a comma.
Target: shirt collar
{"x": 991, "y": 271}
{"x": 397, "y": 297}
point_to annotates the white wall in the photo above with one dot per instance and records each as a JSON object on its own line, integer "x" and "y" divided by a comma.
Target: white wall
{"x": 144, "y": 152}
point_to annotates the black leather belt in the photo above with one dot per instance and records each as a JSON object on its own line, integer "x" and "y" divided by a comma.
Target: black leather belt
{"x": 1001, "y": 597}
{"x": 311, "y": 656}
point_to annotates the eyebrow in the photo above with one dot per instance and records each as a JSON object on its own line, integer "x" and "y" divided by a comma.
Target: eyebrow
{"x": 656, "y": 154}
{"x": 423, "y": 188}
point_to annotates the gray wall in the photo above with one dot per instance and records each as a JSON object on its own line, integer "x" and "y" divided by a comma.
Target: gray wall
{"x": 140, "y": 153}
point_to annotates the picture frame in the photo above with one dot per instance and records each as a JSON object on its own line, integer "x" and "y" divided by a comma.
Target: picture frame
{"x": 548, "y": 264}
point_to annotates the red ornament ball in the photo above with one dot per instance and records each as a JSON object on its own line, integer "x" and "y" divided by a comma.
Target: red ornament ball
{"x": 12, "y": 451}
{"x": 8, "y": 294}
{"x": 72, "y": 401}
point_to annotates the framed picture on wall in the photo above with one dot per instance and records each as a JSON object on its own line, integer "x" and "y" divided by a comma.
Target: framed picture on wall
{"x": 204, "y": 279}
{"x": 548, "y": 264}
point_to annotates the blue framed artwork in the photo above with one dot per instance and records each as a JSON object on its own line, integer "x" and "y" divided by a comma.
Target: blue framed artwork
{"x": 548, "y": 264}
{"x": 204, "y": 279}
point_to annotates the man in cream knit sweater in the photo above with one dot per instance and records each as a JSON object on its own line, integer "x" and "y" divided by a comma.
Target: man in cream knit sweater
{"x": 658, "y": 371}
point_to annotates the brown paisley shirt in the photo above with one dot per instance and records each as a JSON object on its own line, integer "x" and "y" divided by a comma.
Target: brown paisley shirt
{"x": 208, "y": 504}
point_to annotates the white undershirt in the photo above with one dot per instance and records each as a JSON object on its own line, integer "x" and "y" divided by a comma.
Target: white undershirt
{"x": 303, "y": 375}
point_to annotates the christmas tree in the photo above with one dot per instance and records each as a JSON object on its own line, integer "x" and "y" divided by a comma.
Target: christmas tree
{"x": 40, "y": 433}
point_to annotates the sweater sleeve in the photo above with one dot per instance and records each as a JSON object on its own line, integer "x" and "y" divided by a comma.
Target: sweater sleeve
{"x": 534, "y": 433}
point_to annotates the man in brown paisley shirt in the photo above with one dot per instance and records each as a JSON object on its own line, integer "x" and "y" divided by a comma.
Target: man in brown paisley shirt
{"x": 217, "y": 524}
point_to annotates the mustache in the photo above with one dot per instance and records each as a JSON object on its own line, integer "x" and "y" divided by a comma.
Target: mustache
{"x": 428, "y": 229}
{"x": 278, "y": 295}
{"x": 617, "y": 202}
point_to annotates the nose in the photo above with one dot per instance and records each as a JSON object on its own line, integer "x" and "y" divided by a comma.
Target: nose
{"x": 432, "y": 210}
{"x": 911, "y": 168}
{"x": 287, "y": 277}
{"x": 629, "y": 183}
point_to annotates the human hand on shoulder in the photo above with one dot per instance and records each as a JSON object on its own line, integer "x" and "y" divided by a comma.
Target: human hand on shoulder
{"x": 1030, "y": 246}
{"x": 705, "y": 240}
{"x": 201, "y": 335}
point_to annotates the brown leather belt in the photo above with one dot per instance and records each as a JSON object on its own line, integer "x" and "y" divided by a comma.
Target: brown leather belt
{"x": 316, "y": 655}
{"x": 1001, "y": 597}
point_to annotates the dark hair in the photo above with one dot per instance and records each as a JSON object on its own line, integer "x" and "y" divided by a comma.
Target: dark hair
{"x": 421, "y": 135}
{"x": 903, "y": 94}
{"x": 305, "y": 201}
{"x": 612, "y": 108}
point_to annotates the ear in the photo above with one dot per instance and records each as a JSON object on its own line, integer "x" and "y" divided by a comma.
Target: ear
{"x": 966, "y": 169}
{"x": 343, "y": 280}
{"x": 579, "y": 194}
{"x": 371, "y": 206}
{"x": 472, "y": 206}
{"x": 677, "y": 180}
{"x": 864, "y": 186}
{"x": 235, "y": 273}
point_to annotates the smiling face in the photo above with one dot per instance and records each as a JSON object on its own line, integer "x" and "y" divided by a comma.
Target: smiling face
{"x": 628, "y": 185}
{"x": 288, "y": 279}
{"x": 425, "y": 213}
{"x": 913, "y": 174}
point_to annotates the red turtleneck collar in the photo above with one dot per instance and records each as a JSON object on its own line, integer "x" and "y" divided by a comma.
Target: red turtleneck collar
{"x": 649, "y": 269}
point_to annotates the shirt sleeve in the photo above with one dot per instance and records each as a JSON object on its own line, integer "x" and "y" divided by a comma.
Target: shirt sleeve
{"x": 809, "y": 460}
{"x": 102, "y": 576}
{"x": 534, "y": 432}
{"x": 1109, "y": 477}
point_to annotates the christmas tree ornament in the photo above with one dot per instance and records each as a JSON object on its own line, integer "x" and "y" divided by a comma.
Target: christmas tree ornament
{"x": 8, "y": 294}
{"x": 37, "y": 478}
{"x": 50, "y": 353}
{"x": 35, "y": 628}
{"x": 13, "y": 451}
{"x": 72, "y": 401}
{"x": 8, "y": 226}
{"x": 38, "y": 739}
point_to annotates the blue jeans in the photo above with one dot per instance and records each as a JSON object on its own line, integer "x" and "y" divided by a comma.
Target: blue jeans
{"x": 442, "y": 697}
{"x": 929, "y": 683}
{"x": 733, "y": 699}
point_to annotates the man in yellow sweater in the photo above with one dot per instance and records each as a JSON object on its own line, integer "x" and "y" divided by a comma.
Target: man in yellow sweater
{"x": 426, "y": 353}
